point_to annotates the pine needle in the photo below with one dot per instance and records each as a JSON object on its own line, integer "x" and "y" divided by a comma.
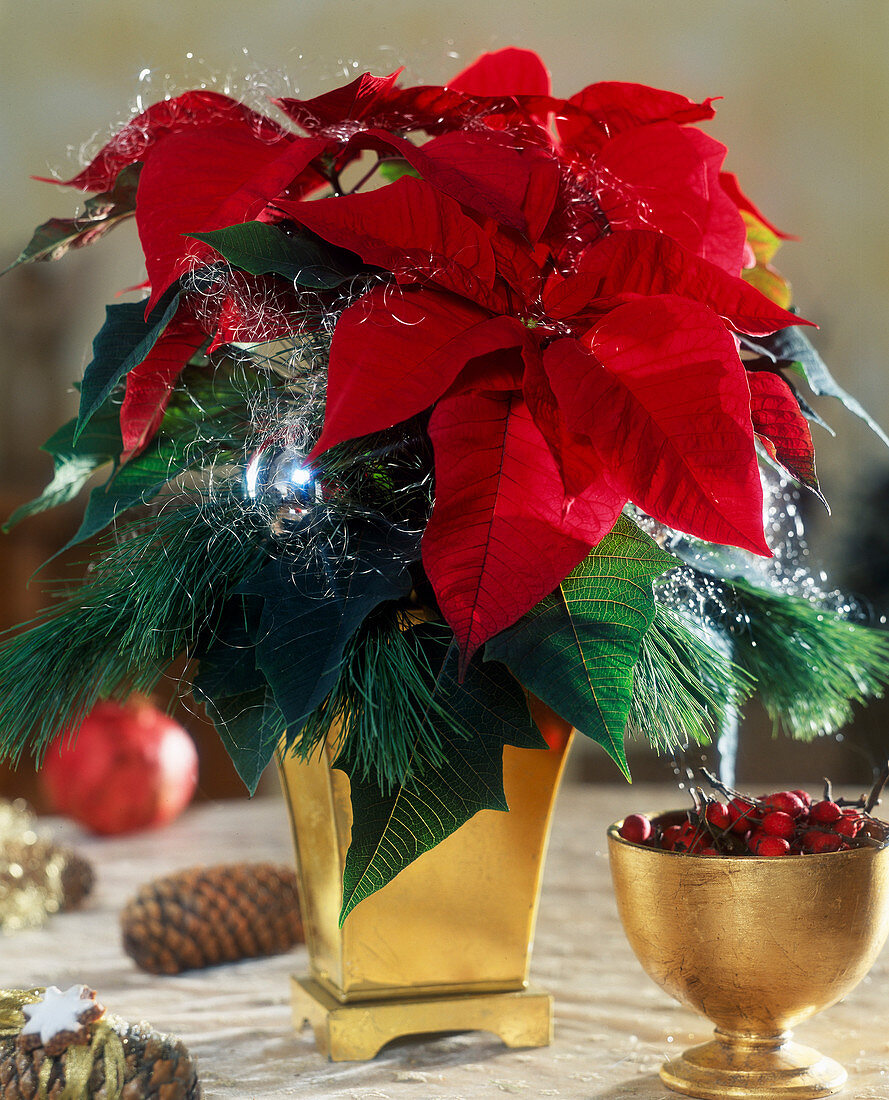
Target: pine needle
{"x": 810, "y": 663}
{"x": 147, "y": 599}
{"x": 382, "y": 702}
{"x": 684, "y": 683}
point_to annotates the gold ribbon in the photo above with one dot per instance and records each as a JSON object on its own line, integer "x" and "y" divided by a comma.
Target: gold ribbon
{"x": 78, "y": 1061}
{"x": 12, "y": 1001}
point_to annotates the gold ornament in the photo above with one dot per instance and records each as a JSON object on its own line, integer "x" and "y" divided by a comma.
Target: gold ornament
{"x": 37, "y": 877}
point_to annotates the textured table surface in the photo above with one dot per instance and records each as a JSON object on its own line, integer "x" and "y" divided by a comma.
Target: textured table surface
{"x": 613, "y": 1026}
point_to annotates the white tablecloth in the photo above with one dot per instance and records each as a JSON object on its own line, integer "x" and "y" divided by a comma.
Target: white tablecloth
{"x": 613, "y": 1025}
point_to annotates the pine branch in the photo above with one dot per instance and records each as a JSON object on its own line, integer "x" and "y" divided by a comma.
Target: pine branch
{"x": 684, "y": 684}
{"x": 149, "y": 596}
{"x": 385, "y": 699}
{"x": 810, "y": 664}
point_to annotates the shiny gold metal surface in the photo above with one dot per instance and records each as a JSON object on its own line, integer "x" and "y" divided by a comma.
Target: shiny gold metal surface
{"x": 357, "y": 1032}
{"x": 457, "y": 922}
{"x": 757, "y": 945}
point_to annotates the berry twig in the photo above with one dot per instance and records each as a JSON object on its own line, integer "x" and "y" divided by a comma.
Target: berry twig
{"x": 873, "y": 799}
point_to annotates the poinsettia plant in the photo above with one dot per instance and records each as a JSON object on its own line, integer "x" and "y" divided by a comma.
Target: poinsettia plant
{"x": 439, "y": 397}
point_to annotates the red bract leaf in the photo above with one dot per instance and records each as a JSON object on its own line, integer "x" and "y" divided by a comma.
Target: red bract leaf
{"x": 639, "y": 261}
{"x": 732, "y": 188}
{"x": 666, "y": 178}
{"x": 498, "y": 540}
{"x": 485, "y": 174}
{"x": 149, "y": 385}
{"x": 394, "y": 352}
{"x": 600, "y": 111}
{"x": 661, "y": 393}
{"x": 343, "y": 109}
{"x": 525, "y": 180}
{"x": 509, "y": 71}
{"x": 170, "y": 116}
{"x": 517, "y": 264}
{"x": 432, "y": 108}
{"x": 781, "y": 426}
{"x": 410, "y": 229}
{"x": 207, "y": 179}
{"x": 578, "y": 462}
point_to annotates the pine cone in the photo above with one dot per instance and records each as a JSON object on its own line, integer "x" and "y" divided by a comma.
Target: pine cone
{"x": 210, "y": 915}
{"x": 77, "y": 879}
{"x": 158, "y": 1067}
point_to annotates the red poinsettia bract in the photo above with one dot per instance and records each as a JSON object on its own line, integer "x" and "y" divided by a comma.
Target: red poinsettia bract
{"x": 556, "y": 283}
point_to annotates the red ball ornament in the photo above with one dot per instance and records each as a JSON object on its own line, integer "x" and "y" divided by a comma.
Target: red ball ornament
{"x": 128, "y": 767}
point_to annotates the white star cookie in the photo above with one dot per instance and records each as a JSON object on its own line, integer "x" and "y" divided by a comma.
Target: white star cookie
{"x": 60, "y": 1019}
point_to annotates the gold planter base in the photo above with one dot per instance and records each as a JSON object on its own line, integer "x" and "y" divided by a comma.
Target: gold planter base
{"x": 357, "y": 1032}
{"x": 755, "y": 1068}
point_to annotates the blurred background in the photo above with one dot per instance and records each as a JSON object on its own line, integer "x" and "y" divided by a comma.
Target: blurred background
{"x": 805, "y": 115}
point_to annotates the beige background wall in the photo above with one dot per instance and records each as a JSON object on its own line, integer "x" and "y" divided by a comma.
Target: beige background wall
{"x": 805, "y": 114}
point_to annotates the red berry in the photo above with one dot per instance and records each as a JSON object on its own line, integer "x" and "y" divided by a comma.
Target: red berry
{"x": 848, "y": 826}
{"x": 816, "y": 842}
{"x": 636, "y": 828}
{"x": 743, "y": 814}
{"x": 708, "y": 851}
{"x": 669, "y": 837}
{"x": 777, "y": 823}
{"x": 718, "y": 815}
{"x": 825, "y": 813}
{"x": 808, "y": 840}
{"x": 689, "y": 839}
{"x": 762, "y": 844}
{"x": 804, "y": 797}
{"x": 786, "y": 802}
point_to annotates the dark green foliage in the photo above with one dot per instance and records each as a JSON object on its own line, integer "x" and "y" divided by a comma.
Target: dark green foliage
{"x": 147, "y": 600}
{"x": 262, "y": 249}
{"x": 251, "y": 726}
{"x": 235, "y": 692}
{"x": 314, "y": 603}
{"x": 791, "y": 347}
{"x": 395, "y": 824}
{"x": 810, "y": 664}
{"x": 100, "y": 213}
{"x": 122, "y": 343}
{"x": 206, "y": 422}
{"x": 75, "y": 461}
{"x": 380, "y": 708}
{"x": 684, "y": 683}
{"x": 577, "y": 648}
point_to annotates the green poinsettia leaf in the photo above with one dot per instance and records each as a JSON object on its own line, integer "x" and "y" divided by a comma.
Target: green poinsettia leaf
{"x": 262, "y": 249}
{"x": 394, "y": 169}
{"x": 203, "y": 421}
{"x": 138, "y": 482}
{"x": 250, "y": 725}
{"x": 791, "y": 347}
{"x": 122, "y": 343}
{"x": 392, "y": 827}
{"x": 235, "y": 693}
{"x": 100, "y": 213}
{"x": 577, "y": 648}
{"x": 228, "y": 658}
{"x": 75, "y": 462}
{"x": 311, "y": 609}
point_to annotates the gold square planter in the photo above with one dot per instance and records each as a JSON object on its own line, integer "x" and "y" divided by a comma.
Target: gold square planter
{"x": 445, "y": 946}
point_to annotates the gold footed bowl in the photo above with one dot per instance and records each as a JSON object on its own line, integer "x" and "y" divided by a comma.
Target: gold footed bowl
{"x": 757, "y": 945}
